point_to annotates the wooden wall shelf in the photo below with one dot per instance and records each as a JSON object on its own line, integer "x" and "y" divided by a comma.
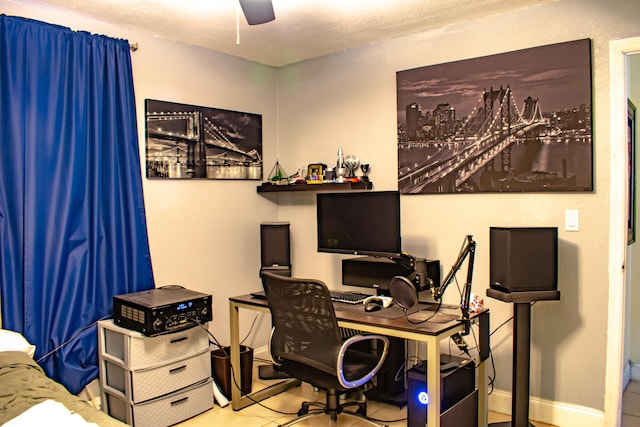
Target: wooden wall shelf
{"x": 267, "y": 187}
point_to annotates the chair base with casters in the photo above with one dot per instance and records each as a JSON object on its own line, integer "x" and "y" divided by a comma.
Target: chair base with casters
{"x": 333, "y": 408}
{"x": 306, "y": 342}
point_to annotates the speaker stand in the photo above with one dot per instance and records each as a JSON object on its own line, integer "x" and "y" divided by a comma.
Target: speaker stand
{"x": 521, "y": 350}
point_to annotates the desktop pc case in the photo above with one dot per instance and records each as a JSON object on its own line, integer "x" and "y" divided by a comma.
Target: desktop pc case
{"x": 523, "y": 259}
{"x": 458, "y": 393}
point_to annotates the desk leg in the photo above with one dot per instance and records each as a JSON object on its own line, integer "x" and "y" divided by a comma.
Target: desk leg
{"x": 483, "y": 403}
{"x": 237, "y": 400}
{"x": 234, "y": 320}
{"x": 433, "y": 383}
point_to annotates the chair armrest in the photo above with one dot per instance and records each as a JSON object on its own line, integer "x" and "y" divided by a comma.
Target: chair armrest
{"x": 343, "y": 351}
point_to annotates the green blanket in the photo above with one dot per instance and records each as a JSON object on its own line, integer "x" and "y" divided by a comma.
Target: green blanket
{"x": 24, "y": 384}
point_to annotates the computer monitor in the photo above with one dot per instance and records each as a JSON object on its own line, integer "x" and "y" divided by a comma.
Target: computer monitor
{"x": 359, "y": 223}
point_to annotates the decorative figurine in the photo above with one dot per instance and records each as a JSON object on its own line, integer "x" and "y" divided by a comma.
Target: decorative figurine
{"x": 277, "y": 175}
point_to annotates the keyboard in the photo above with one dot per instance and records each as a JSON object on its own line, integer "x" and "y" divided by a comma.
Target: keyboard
{"x": 347, "y": 296}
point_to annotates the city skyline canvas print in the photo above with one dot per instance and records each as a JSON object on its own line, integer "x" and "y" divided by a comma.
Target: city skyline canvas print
{"x": 512, "y": 122}
{"x": 189, "y": 141}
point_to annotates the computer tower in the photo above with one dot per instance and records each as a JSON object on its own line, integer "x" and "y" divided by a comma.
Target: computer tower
{"x": 523, "y": 259}
{"x": 275, "y": 248}
{"x": 459, "y": 397}
{"x": 389, "y": 387}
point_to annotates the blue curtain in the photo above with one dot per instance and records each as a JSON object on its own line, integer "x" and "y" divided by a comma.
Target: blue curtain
{"x": 72, "y": 222}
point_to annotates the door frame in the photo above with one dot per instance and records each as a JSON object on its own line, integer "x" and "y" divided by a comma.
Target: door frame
{"x": 618, "y": 195}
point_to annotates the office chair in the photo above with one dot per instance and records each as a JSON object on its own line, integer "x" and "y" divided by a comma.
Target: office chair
{"x": 307, "y": 344}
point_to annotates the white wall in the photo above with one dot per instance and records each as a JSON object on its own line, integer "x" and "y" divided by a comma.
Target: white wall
{"x": 349, "y": 100}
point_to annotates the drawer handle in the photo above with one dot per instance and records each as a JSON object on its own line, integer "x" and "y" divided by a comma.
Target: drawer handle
{"x": 178, "y": 369}
{"x": 178, "y": 340}
{"x": 179, "y": 401}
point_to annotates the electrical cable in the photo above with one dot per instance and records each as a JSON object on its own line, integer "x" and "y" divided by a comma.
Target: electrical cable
{"x": 406, "y": 315}
{"x": 215, "y": 340}
{"x": 71, "y": 339}
{"x": 235, "y": 382}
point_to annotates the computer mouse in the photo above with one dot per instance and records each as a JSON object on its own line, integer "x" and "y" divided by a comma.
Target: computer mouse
{"x": 372, "y": 306}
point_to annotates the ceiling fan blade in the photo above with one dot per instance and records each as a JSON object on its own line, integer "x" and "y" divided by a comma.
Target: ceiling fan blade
{"x": 257, "y": 11}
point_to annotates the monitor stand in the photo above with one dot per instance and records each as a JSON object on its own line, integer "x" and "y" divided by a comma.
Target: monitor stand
{"x": 521, "y": 350}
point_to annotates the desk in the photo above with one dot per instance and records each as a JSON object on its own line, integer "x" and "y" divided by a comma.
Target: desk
{"x": 354, "y": 317}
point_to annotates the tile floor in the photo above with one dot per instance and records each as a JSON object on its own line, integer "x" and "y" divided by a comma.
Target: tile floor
{"x": 631, "y": 405}
{"x": 282, "y": 408}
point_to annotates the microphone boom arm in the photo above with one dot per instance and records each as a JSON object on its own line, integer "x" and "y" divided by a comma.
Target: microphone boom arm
{"x": 468, "y": 251}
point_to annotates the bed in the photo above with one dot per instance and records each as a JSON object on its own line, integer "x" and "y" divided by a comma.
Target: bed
{"x": 29, "y": 398}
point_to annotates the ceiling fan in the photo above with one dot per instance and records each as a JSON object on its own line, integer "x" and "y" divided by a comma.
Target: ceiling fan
{"x": 257, "y": 11}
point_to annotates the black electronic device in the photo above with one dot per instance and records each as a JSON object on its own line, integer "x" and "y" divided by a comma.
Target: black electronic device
{"x": 161, "y": 310}
{"x": 275, "y": 248}
{"x": 458, "y": 394}
{"x": 359, "y": 223}
{"x": 377, "y": 272}
{"x": 523, "y": 259}
{"x": 389, "y": 387}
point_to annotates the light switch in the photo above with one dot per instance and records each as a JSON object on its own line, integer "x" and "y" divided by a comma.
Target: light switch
{"x": 571, "y": 220}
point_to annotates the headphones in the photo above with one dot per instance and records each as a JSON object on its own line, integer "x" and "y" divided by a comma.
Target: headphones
{"x": 403, "y": 292}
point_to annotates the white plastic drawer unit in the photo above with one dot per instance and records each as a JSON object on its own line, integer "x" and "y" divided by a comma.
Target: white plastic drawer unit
{"x": 133, "y": 350}
{"x": 162, "y": 411}
{"x": 144, "y": 384}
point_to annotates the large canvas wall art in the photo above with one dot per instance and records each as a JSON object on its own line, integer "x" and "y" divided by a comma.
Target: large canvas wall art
{"x": 187, "y": 141}
{"x": 512, "y": 122}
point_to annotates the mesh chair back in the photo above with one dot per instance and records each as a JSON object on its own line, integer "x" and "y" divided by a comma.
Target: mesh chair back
{"x": 305, "y": 326}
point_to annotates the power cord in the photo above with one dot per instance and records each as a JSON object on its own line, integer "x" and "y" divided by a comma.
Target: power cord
{"x": 71, "y": 339}
{"x": 235, "y": 382}
{"x": 413, "y": 322}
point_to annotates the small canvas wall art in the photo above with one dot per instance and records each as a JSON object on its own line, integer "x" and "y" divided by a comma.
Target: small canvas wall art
{"x": 187, "y": 141}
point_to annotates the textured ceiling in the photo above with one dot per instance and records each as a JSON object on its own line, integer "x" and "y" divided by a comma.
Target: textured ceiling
{"x": 303, "y": 29}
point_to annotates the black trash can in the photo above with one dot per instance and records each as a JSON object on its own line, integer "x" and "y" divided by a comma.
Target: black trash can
{"x": 221, "y": 369}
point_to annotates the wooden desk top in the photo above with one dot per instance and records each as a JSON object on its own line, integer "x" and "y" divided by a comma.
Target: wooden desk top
{"x": 447, "y": 317}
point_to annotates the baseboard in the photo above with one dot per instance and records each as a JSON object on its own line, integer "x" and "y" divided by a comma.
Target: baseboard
{"x": 261, "y": 353}
{"x": 626, "y": 375}
{"x": 635, "y": 372}
{"x": 546, "y": 411}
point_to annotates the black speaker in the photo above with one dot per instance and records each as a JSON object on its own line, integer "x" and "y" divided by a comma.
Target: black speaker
{"x": 458, "y": 395}
{"x": 275, "y": 248}
{"x": 523, "y": 259}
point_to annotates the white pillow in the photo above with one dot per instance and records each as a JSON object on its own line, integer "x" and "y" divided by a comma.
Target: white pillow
{"x": 13, "y": 341}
